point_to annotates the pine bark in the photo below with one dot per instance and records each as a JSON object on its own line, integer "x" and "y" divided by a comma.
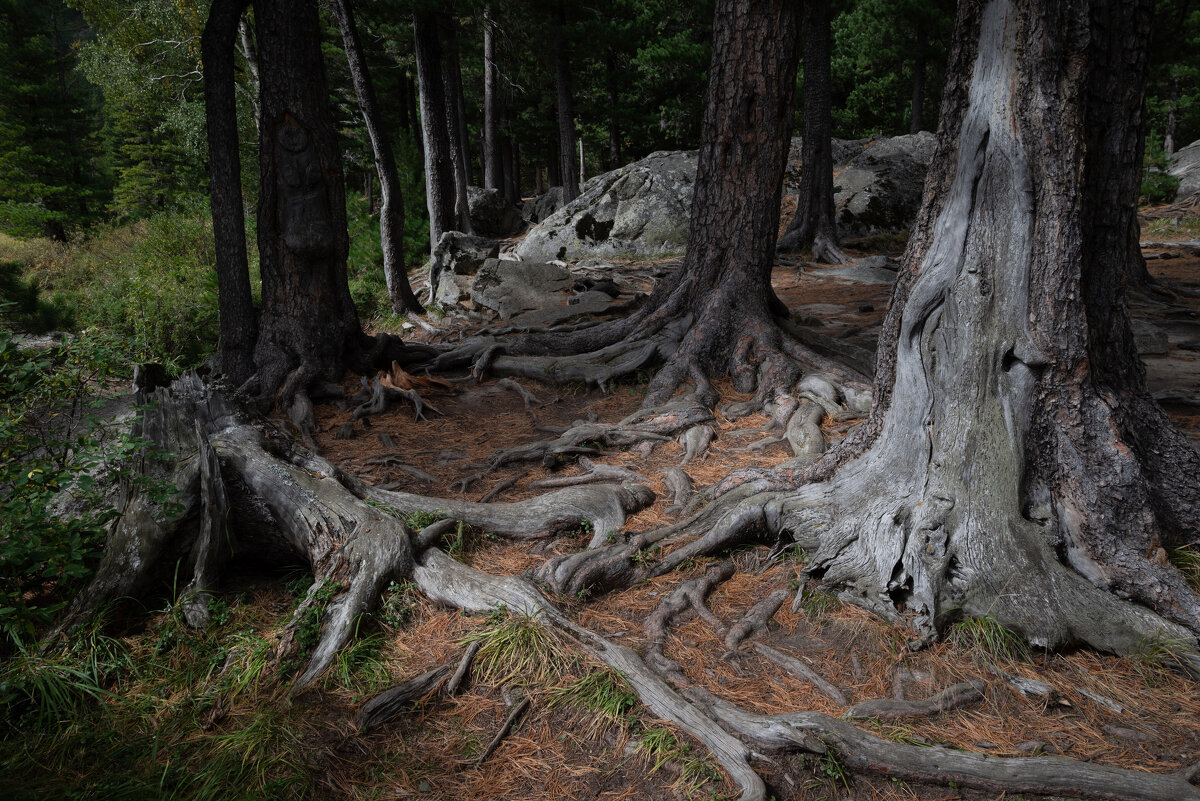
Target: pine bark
{"x": 456, "y": 123}
{"x": 435, "y": 127}
{"x": 309, "y": 329}
{"x": 238, "y": 324}
{"x": 391, "y": 212}
{"x": 814, "y": 226}
{"x": 493, "y": 163}
{"x": 568, "y": 168}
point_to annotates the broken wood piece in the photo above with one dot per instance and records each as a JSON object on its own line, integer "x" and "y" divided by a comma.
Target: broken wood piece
{"x": 390, "y": 703}
{"x": 755, "y": 619}
{"x": 516, "y": 713}
{"x": 502, "y": 486}
{"x": 953, "y": 697}
{"x": 464, "y": 666}
{"x": 528, "y": 397}
{"x": 799, "y": 668}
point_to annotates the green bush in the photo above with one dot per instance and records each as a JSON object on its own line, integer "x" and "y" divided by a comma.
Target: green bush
{"x": 27, "y": 310}
{"x": 53, "y": 451}
{"x": 152, "y": 282}
{"x": 1157, "y": 185}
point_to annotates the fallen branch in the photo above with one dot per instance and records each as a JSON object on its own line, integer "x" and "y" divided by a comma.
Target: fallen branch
{"x": 953, "y": 697}
{"x": 798, "y": 668}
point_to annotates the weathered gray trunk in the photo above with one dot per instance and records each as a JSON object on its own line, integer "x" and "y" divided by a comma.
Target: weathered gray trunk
{"x": 493, "y": 163}
{"x": 435, "y": 127}
{"x": 391, "y": 212}
{"x": 568, "y": 168}
{"x": 1015, "y": 464}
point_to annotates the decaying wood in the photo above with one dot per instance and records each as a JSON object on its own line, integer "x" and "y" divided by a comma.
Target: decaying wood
{"x": 507, "y": 726}
{"x": 953, "y": 697}
{"x": 797, "y": 668}
{"x": 755, "y": 619}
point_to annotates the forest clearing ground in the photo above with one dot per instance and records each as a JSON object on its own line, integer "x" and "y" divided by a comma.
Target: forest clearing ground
{"x": 550, "y": 756}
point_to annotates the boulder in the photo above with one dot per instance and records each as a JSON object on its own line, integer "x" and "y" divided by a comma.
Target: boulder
{"x": 1185, "y": 165}
{"x": 513, "y": 287}
{"x": 641, "y": 209}
{"x": 539, "y": 208}
{"x": 458, "y": 254}
{"x": 879, "y": 189}
{"x": 491, "y": 214}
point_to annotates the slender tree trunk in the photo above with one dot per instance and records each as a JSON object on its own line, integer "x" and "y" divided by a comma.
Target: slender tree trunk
{"x": 566, "y": 110}
{"x": 391, "y": 213}
{"x": 813, "y": 226}
{"x": 1172, "y": 118}
{"x": 456, "y": 123}
{"x": 435, "y": 130}
{"x": 238, "y": 325}
{"x": 614, "y": 99}
{"x": 250, "y": 54}
{"x": 309, "y": 330}
{"x": 493, "y": 162}
{"x": 918, "y": 93}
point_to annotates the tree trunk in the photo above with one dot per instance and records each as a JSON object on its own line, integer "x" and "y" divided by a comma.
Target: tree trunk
{"x": 614, "y": 130}
{"x": 250, "y": 54}
{"x": 1172, "y": 119}
{"x": 435, "y": 128}
{"x": 238, "y": 325}
{"x": 813, "y": 226}
{"x": 918, "y": 93}
{"x": 309, "y": 328}
{"x": 493, "y": 162}
{"x": 456, "y": 121}
{"x": 1014, "y": 465}
{"x": 568, "y": 169}
{"x": 391, "y": 214}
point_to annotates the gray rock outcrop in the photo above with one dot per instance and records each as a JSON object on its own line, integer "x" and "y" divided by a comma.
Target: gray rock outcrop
{"x": 878, "y": 190}
{"x": 491, "y": 215}
{"x": 539, "y": 208}
{"x": 641, "y": 209}
{"x": 457, "y": 255}
{"x": 512, "y": 287}
{"x": 1185, "y": 165}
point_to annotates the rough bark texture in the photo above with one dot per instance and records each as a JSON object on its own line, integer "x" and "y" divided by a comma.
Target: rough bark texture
{"x": 813, "y": 226}
{"x": 391, "y": 212}
{"x": 1013, "y": 465}
{"x": 238, "y": 332}
{"x": 493, "y": 164}
{"x": 456, "y": 123}
{"x": 435, "y": 127}
{"x": 568, "y": 168}
{"x": 309, "y": 329}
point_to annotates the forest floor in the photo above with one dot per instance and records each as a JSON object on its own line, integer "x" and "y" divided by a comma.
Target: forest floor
{"x": 593, "y": 741}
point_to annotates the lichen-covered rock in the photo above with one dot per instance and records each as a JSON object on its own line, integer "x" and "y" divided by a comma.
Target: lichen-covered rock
{"x": 1185, "y": 165}
{"x": 491, "y": 214}
{"x": 458, "y": 254}
{"x": 642, "y": 209}
{"x": 513, "y": 287}
{"x": 878, "y": 190}
{"x": 539, "y": 208}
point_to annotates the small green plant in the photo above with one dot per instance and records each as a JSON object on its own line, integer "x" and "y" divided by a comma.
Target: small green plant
{"x": 603, "y": 692}
{"x": 817, "y": 604}
{"x": 518, "y": 648}
{"x": 1157, "y": 657}
{"x": 835, "y": 771}
{"x": 396, "y": 605}
{"x": 418, "y": 519}
{"x": 1186, "y": 559}
{"x": 661, "y": 746}
{"x": 990, "y": 636}
{"x": 584, "y": 529}
{"x": 359, "y": 667}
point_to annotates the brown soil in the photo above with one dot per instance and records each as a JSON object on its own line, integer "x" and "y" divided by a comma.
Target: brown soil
{"x": 554, "y": 754}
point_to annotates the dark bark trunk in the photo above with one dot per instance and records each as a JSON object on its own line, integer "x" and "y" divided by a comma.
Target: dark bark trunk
{"x": 614, "y": 130}
{"x": 250, "y": 54}
{"x": 412, "y": 99}
{"x": 813, "y": 226}
{"x": 568, "y": 168}
{"x": 435, "y": 128}
{"x": 1172, "y": 119}
{"x": 456, "y": 120}
{"x": 493, "y": 161}
{"x": 512, "y": 173}
{"x": 309, "y": 328}
{"x": 238, "y": 332}
{"x": 391, "y": 213}
{"x": 918, "y": 93}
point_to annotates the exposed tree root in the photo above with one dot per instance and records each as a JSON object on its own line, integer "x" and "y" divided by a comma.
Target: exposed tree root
{"x": 797, "y": 668}
{"x": 953, "y": 697}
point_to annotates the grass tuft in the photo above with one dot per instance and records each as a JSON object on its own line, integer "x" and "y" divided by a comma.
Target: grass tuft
{"x": 518, "y": 649}
{"x": 983, "y": 633}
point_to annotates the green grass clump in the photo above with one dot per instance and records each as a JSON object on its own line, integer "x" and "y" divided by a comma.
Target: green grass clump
{"x": 519, "y": 649}
{"x": 986, "y": 634}
{"x": 661, "y": 746}
{"x": 1186, "y": 559}
{"x": 602, "y": 692}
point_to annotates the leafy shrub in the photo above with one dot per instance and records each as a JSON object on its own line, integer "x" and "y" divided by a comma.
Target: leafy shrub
{"x": 52, "y": 451}
{"x": 1157, "y": 185}
{"x": 27, "y": 310}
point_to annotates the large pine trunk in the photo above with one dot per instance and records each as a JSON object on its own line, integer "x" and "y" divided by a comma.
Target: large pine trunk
{"x": 391, "y": 212}
{"x": 813, "y": 226}
{"x": 309, "y": 329}
{"x": 1014, "y": 465}
{"x": 493, "y": 164}
{"x": 568, "y": 168}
